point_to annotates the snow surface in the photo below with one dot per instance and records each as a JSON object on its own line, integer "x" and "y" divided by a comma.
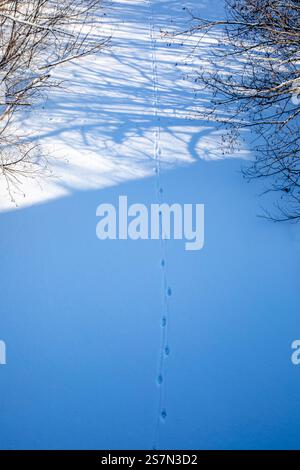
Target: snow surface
{"x": 82, "y": 318}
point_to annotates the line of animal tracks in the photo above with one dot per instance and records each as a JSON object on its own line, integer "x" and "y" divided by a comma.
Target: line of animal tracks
{"x": 166, "y": 289}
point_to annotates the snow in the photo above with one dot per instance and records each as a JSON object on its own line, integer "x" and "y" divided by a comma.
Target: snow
{"x": 83, "y": 318}
{"x": 97, "y": 130}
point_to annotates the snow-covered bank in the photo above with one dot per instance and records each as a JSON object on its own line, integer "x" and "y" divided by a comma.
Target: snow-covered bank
{"x": 82, "y": 318}
{"x": 96, "y": 130}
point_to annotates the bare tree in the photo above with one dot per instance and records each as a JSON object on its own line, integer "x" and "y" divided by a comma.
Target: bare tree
{"x": 254, "y": 80}
{"x": 35, "y": 37}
